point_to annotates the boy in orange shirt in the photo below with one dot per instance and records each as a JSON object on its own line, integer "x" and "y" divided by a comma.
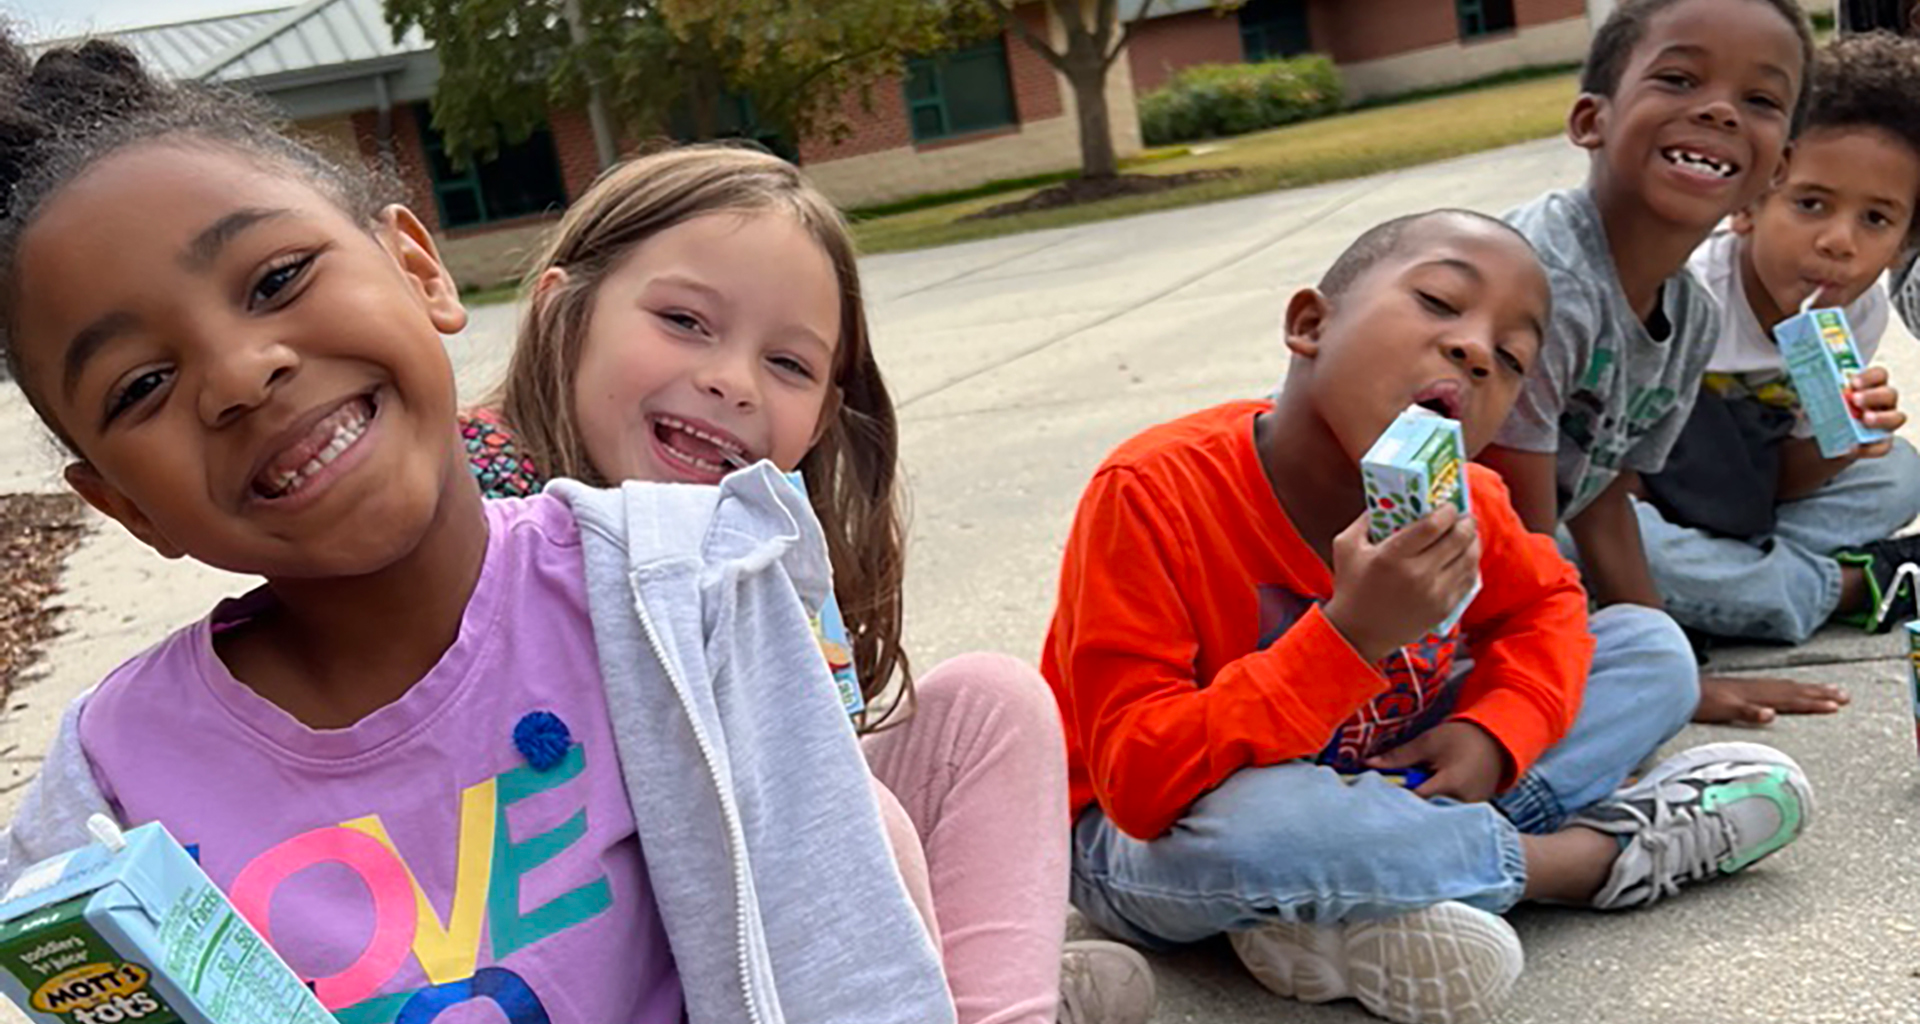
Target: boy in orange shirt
{"x": 1234, "y": 659}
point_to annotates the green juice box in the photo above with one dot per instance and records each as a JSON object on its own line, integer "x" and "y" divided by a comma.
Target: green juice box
{"x": 1419, "y": 464}
{"x": 1820, "y": 354}
{"x": 129, "y": 929}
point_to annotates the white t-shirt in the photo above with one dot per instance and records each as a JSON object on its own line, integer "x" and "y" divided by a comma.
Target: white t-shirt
{"x": 1746, "y": 360}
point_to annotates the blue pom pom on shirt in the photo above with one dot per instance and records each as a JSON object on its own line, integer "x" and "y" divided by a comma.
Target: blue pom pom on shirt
{"x": 542, "y": 738}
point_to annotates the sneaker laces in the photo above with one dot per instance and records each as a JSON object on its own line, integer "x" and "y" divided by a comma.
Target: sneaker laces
{"x": 1678, "y": 848}
{"x": 1906, "y": 576}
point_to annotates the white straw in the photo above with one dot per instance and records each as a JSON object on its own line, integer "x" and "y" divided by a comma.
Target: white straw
{"x": 1808, "y": 302}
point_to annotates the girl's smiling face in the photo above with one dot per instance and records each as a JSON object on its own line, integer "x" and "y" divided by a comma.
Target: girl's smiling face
{"x": 710, "y": 345}
{"x": 252, "y": 377}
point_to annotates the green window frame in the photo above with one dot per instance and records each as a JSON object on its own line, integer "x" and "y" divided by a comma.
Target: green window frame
{"x": 960, "y": 92}
{"x": 1484, "y": 17}
{"x": 522, "y": 179}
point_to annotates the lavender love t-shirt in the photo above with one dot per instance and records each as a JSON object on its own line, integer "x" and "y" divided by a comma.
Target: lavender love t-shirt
{"x": 421, "y": 865}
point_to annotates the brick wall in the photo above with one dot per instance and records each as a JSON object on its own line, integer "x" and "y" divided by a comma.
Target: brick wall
{"x": 1355, "y": 31}
{"x": 410, "y": 159}
{"x": 1351, "y": 31}
{"x": 1162, "y": 46}
{"x": 1562, "y": 41}
{"x": 879, "y": 125}
{"x": 573, "y": 144}
{"x": 1036, "y": 86}
{"x": 883, "y": 124}
{"x": 1541, "y": 12}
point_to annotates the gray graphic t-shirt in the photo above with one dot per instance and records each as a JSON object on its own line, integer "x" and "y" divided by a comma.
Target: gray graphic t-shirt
{"x": 1606, "y": 395}
{"x": 1904, "y": 285}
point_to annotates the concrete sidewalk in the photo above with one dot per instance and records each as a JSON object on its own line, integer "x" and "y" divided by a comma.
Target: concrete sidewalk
{"x": 1018, "y": 364}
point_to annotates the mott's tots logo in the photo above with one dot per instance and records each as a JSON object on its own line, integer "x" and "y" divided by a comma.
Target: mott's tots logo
{"x": 1443, "y": 469}
{"x": 1446, "y": 480}
{"x": 99, "y": 993}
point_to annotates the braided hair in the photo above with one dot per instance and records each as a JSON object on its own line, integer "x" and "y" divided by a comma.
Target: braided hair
{"x": 65, "y": 110}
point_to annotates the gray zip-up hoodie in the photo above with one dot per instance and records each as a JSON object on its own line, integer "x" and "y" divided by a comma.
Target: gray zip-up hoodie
{"x": 766, "y": 855}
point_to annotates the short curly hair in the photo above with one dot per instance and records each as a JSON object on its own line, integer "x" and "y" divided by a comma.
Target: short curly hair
{"x": 1613, "y": 45}
{"x": 1871, "y": 80}
{"x": 71, "y": 106}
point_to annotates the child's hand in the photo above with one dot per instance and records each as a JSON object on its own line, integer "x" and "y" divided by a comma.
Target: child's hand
{"x": 1389, "y": 594}
{"x": 1879, "y": 406}
{"x": 1465, "y": 760}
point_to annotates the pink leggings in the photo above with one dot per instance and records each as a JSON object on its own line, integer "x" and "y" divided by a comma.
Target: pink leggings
{"x": 981, "y": 770}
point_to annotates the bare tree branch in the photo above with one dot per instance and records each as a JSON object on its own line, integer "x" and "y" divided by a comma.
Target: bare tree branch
{"x": 1008, "y": 17}
{"x": 1105, "y": 14}
{"x": 1126, "y": 32}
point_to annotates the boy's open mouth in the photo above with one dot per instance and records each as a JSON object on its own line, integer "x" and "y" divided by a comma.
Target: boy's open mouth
{"x": 302, "y": 460}
{"x": 1699, "y": 163}
{"x": 699, "y": 448}
{"x": 1441, "y": 398}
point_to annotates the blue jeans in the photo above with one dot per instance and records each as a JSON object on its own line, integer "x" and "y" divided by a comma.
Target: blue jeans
{"x": 1784, "y": 588}
{"x": 1296, "y": 842}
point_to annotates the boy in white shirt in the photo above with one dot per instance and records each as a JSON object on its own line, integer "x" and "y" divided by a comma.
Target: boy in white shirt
{"x": 1750, "y": 533}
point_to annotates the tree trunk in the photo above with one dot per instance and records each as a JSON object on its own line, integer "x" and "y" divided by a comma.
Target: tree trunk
{"x": 603, "y": 142}
{"x": 703, "y": 101}
{"x": 1089, "y": 80}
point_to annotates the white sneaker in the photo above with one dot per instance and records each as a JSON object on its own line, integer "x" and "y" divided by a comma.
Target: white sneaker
{"x": 1444, "y": 964}
{"x": 1104, "y": 983}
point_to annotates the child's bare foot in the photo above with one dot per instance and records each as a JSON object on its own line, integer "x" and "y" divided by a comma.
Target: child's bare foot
{"x": 1755, "y": 700}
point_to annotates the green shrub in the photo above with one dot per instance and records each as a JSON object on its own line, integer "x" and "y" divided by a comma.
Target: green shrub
{"x": 1210, "y": 100}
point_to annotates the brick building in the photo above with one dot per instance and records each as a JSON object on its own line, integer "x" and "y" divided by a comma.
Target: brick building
{"x": 1381, "y": 46}
{"x": 989, "y": 111}
{"x": 992, "y": 110}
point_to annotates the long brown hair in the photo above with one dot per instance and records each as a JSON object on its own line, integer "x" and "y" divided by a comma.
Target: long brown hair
{"x": 852, "y": 471}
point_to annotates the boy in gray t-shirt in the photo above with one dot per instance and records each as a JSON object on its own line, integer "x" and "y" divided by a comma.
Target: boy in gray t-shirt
{"x": 1611, "y": 391}
{"x": 1686, "y": 107}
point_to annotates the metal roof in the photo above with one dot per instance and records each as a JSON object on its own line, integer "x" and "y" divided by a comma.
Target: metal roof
{"x": 177, "y": 49}
{"x": 314, "y": 36}
{"x": 1130, "y": 9}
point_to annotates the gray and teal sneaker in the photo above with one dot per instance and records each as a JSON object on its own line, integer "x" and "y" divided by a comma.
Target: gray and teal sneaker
{"x": 1702, "y": 813}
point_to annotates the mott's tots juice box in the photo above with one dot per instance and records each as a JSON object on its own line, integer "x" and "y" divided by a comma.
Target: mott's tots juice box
{"x": 129, "y": 929}
{"x": 1820, "y": 355}
{"x": 1419, "y": 464}
{"x": 831, "y": 630}
{"x": 1913, "y": 676}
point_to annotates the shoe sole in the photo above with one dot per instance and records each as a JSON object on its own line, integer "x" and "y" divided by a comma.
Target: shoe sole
{"x": 1445, "y": 964}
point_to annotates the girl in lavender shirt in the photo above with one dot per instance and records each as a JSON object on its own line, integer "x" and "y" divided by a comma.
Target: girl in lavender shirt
{"x": 405, "y": 757}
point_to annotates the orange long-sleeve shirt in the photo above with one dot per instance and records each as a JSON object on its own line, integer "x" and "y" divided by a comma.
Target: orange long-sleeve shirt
{"x": 1188, "y": 641}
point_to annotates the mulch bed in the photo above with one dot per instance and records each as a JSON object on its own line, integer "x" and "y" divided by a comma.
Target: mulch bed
{"x": 1075, "y": 191}
{"x": 36, "y": 533}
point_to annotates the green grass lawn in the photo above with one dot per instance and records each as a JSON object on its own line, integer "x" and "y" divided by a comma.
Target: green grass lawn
{"x": 1344, "y": 146}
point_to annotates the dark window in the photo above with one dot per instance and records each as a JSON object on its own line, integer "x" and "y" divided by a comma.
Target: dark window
{"x": 523, "y": 178}
{"x": 1271, "y": 29}
{"x": 1484, "y": 17}
{"x": 964, "y": 91}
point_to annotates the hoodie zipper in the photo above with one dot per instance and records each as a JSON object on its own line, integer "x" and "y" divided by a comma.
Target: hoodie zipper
{"x": 736, "y": 834}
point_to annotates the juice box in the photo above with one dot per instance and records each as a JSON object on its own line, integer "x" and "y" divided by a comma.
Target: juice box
{"x": 1820, "y": 354}
{"x": 1419, "y": 464}
{"x": 129, "y": 929}
{"x": 831, "y": 631}
{"x": 1913, "y": 676}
